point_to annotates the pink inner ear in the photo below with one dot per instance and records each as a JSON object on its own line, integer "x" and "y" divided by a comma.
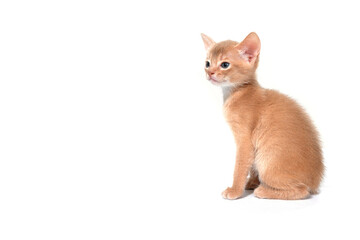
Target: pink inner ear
{"x": 249, "y": 48}
{"x": 247, "y": 54}
{"x": 208, "y": 42}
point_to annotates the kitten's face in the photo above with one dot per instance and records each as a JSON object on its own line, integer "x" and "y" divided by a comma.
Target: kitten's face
{"x": 231, "y": 63}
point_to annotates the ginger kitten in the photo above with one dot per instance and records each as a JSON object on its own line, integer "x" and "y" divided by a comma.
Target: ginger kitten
{"x": 276, "y": 140}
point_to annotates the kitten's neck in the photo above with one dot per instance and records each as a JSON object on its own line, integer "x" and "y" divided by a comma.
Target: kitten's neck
{"x": 228, "y": 90}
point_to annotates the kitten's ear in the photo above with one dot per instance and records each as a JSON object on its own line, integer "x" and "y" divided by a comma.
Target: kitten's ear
{"x": 208, "y": 42}
{"x": 249, "y": 48}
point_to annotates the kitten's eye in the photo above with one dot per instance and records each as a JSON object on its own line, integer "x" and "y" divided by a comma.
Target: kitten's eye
{"x": 207, "y": 64}
{"x": 225, "y": 65}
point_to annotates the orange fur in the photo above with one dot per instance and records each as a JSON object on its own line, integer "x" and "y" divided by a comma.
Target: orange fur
{"x": 276, "y": 140}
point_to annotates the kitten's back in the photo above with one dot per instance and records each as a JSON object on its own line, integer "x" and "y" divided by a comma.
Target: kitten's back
{"x": 287, "y": 140}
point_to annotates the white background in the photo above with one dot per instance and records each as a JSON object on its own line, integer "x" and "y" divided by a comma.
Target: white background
{"x": 109, "y": 129}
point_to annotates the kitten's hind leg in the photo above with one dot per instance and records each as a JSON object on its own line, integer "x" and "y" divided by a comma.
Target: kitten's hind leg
{"x": 253, "y": 181}
{"x": 294, "y": 193}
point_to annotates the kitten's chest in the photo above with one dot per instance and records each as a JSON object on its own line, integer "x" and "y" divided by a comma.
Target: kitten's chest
{"x": 238, "y": 113}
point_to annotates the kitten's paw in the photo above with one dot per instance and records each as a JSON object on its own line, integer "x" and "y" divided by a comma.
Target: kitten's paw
{"x": 260, "y": 192}
{"x": 231, "y": 193}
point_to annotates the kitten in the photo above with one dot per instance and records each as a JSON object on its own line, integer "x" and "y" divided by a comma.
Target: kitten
{"x": 276, "y": 140}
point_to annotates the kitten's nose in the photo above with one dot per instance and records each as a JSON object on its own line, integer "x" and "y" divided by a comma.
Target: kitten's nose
{"x": 211, "y": 73}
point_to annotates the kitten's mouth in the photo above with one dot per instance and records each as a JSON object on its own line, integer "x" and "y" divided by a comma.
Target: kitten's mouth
{"x": 214, "y": 81}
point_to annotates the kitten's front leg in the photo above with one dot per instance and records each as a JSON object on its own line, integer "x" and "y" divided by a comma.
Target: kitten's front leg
{"x": 244, "y": 161}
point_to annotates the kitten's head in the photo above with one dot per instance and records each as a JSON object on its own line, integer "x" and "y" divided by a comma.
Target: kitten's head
{"x": 231, "y": 63}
